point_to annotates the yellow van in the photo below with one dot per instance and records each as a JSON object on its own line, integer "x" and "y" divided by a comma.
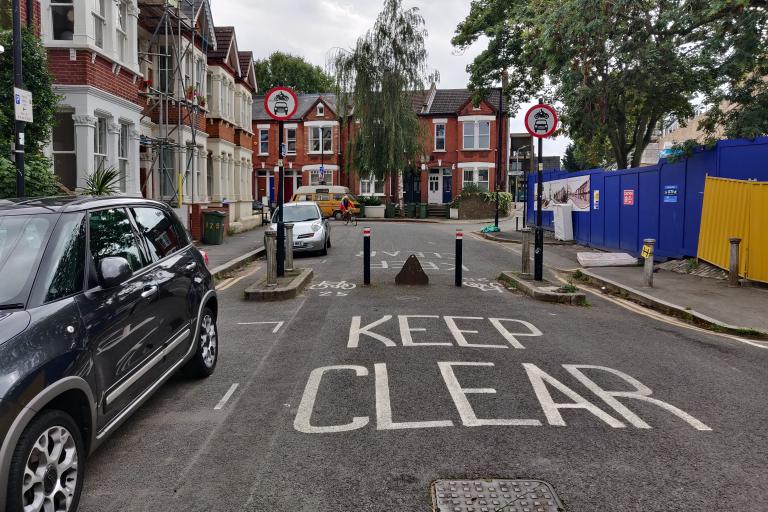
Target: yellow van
{"x": 327, "y": 197}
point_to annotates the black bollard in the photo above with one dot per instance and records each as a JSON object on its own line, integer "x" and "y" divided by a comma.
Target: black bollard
{"x": 367, "y": 255}
{"x": 459, "y": 239}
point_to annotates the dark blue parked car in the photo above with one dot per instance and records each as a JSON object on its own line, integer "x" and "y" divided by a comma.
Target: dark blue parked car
{"x": 101, "y": 301}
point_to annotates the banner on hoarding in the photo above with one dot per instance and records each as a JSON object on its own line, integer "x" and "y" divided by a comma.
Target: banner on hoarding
{"x": 574, "y": 191}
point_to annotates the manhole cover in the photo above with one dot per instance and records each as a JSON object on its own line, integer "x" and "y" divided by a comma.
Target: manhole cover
{"x": 494, "y": 496}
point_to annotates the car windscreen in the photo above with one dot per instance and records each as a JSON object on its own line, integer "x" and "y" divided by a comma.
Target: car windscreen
{"x": 299, "y": 213}
{"x": 22, "y": 242}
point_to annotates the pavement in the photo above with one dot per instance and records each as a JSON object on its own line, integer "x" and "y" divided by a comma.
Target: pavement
{"x": 355, "y": 398}
{"x": 234, "y": 246}
{"x": 742, "y": 307}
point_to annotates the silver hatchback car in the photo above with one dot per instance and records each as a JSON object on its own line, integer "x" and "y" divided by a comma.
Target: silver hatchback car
{"x": 311, "y": 232}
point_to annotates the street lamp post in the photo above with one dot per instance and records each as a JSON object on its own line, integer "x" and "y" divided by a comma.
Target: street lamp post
{"x": 499, "y": 143}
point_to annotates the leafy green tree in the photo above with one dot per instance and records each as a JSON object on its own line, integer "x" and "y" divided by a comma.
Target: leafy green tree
{"x": 38, "y": 80}
{"x": 378, "y": 77}
{"x": 285, "y": 69}
{"x": 618, "y": 66}
{"x": 39, "y": 181}
{"x": 39, "y": 177}
{"x": 569, "y": 162}
{"x": 6, "y": 15}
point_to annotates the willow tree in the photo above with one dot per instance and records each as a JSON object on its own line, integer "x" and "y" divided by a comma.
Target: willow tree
{"x": 376, "y": 82}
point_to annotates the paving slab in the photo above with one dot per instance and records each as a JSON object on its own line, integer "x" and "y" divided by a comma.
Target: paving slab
{"x": 741, "y": 307}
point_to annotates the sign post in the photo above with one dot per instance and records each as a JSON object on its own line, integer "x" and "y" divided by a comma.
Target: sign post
{"x": 281, "y": 104}
{"x": 541, "y": 122}
{"x": 21, "y": 115}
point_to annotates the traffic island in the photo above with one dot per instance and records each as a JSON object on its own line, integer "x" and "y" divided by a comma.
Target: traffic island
{"x": 544, "y": 290}
{"x": 288, "y": 286}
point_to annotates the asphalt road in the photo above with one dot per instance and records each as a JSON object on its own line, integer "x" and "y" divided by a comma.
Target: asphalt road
{"x": 326, "y": 417}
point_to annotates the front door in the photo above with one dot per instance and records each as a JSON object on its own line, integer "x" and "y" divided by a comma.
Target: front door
{"x": 435, "y": 187}
{"x": 447, "y": 189}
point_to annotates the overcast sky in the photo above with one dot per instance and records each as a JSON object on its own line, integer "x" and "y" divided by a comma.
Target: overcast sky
{"x": 311, "y": 28}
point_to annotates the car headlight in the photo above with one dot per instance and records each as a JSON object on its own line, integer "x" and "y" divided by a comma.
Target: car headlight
{"x": 316, "y": 227}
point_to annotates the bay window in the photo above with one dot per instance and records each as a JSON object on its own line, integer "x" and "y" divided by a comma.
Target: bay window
{"x": 63, "y": 19}
{"x": 99, "y": 20}
{"x": 122, "y": 154}
{"x": 100, "y": 143}
{"x": 64, "y": 155}
{"x": 122, "y": 29}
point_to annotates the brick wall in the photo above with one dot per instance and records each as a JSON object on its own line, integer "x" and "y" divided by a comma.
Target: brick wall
{"x": 35, "y": 15}
{"x": 220, "y": 129}
{"x": 97, "y": 73}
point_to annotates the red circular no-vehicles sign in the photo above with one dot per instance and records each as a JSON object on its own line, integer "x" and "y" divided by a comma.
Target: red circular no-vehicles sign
{"x": 541, "y": 120}
{"x": 281, "y": 103}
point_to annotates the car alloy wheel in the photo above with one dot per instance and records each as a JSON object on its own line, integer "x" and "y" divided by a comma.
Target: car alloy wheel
{"x": 208, "y": 341}
{"x": 51, "y": 472}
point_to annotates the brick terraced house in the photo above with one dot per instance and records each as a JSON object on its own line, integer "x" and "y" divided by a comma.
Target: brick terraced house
{"x": 461, "y": 148}
{"x": 313, "y": 141}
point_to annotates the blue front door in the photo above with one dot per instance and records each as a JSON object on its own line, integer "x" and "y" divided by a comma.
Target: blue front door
{"x": 447, "y": 190}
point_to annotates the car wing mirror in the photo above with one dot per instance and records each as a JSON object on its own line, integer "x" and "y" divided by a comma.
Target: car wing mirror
{"x": 113, "y": 271}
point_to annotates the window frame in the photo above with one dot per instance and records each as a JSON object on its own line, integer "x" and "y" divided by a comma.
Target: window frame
{"x": 475, "y": 126}
{"x": 123, "y": 163}
{"x": 476, "y": 177}
{"x": 121, "y": 29}
{"x": 62, "y": 5}
{"x": 263, "y": 152}
{"x": 288, "y": 141}
{"x": 320, "y": 110}
{"x": 372, "y": 183}
{"x": 440, "y": 138}
{"x": 73, "y": 151}
{"x": 320, "y": 137}
{"x": 100, "y": 143}
{"x": 99, "y": 16}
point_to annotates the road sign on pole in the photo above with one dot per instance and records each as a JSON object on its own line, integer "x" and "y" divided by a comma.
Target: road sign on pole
{"x": 281, "y": 104}
{"x": 541, "y": 122}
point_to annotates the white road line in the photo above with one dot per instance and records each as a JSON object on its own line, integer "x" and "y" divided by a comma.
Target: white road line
{"x": 278, "y": 325}
{"x": 226, "y": 396}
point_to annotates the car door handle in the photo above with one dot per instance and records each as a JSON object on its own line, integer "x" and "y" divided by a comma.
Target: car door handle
{"x": 149, "y": 291}
{"x": 190, "y": 267}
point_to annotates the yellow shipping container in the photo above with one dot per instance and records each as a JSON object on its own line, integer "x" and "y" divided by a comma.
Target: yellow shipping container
{"x": 735, "y": 208}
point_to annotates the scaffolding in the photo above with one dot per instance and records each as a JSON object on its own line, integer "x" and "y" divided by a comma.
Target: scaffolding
{"x": 173, "y": 102}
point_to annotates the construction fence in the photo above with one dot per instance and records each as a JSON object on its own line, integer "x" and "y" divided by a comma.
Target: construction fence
{"x": 735, "y": 209}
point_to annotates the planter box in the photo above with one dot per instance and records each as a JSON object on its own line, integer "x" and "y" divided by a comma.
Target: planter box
{"x": 375, "y": 212}
{"x": 454, "y": 213}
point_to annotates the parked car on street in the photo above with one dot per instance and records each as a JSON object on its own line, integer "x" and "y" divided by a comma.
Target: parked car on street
{"x": 101, "y": 301}
{"x": 311, "y": 231}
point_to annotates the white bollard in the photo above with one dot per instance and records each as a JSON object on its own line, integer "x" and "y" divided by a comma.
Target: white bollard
{"x": 270, "y": 242}
{"x": 288, "y": 247}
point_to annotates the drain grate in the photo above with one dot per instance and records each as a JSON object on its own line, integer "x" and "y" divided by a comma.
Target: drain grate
{"x": 494, "y": 496}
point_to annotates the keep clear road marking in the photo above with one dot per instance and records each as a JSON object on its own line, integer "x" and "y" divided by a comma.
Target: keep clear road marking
{"x": 278, "y": 325}
{"x": 226, "y": 396}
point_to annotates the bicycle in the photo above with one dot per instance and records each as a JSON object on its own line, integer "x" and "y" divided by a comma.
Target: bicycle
{"x": 349, "y": 218}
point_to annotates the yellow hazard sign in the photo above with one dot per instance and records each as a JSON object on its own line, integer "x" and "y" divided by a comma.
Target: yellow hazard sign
{"x": 647, "y": 250}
